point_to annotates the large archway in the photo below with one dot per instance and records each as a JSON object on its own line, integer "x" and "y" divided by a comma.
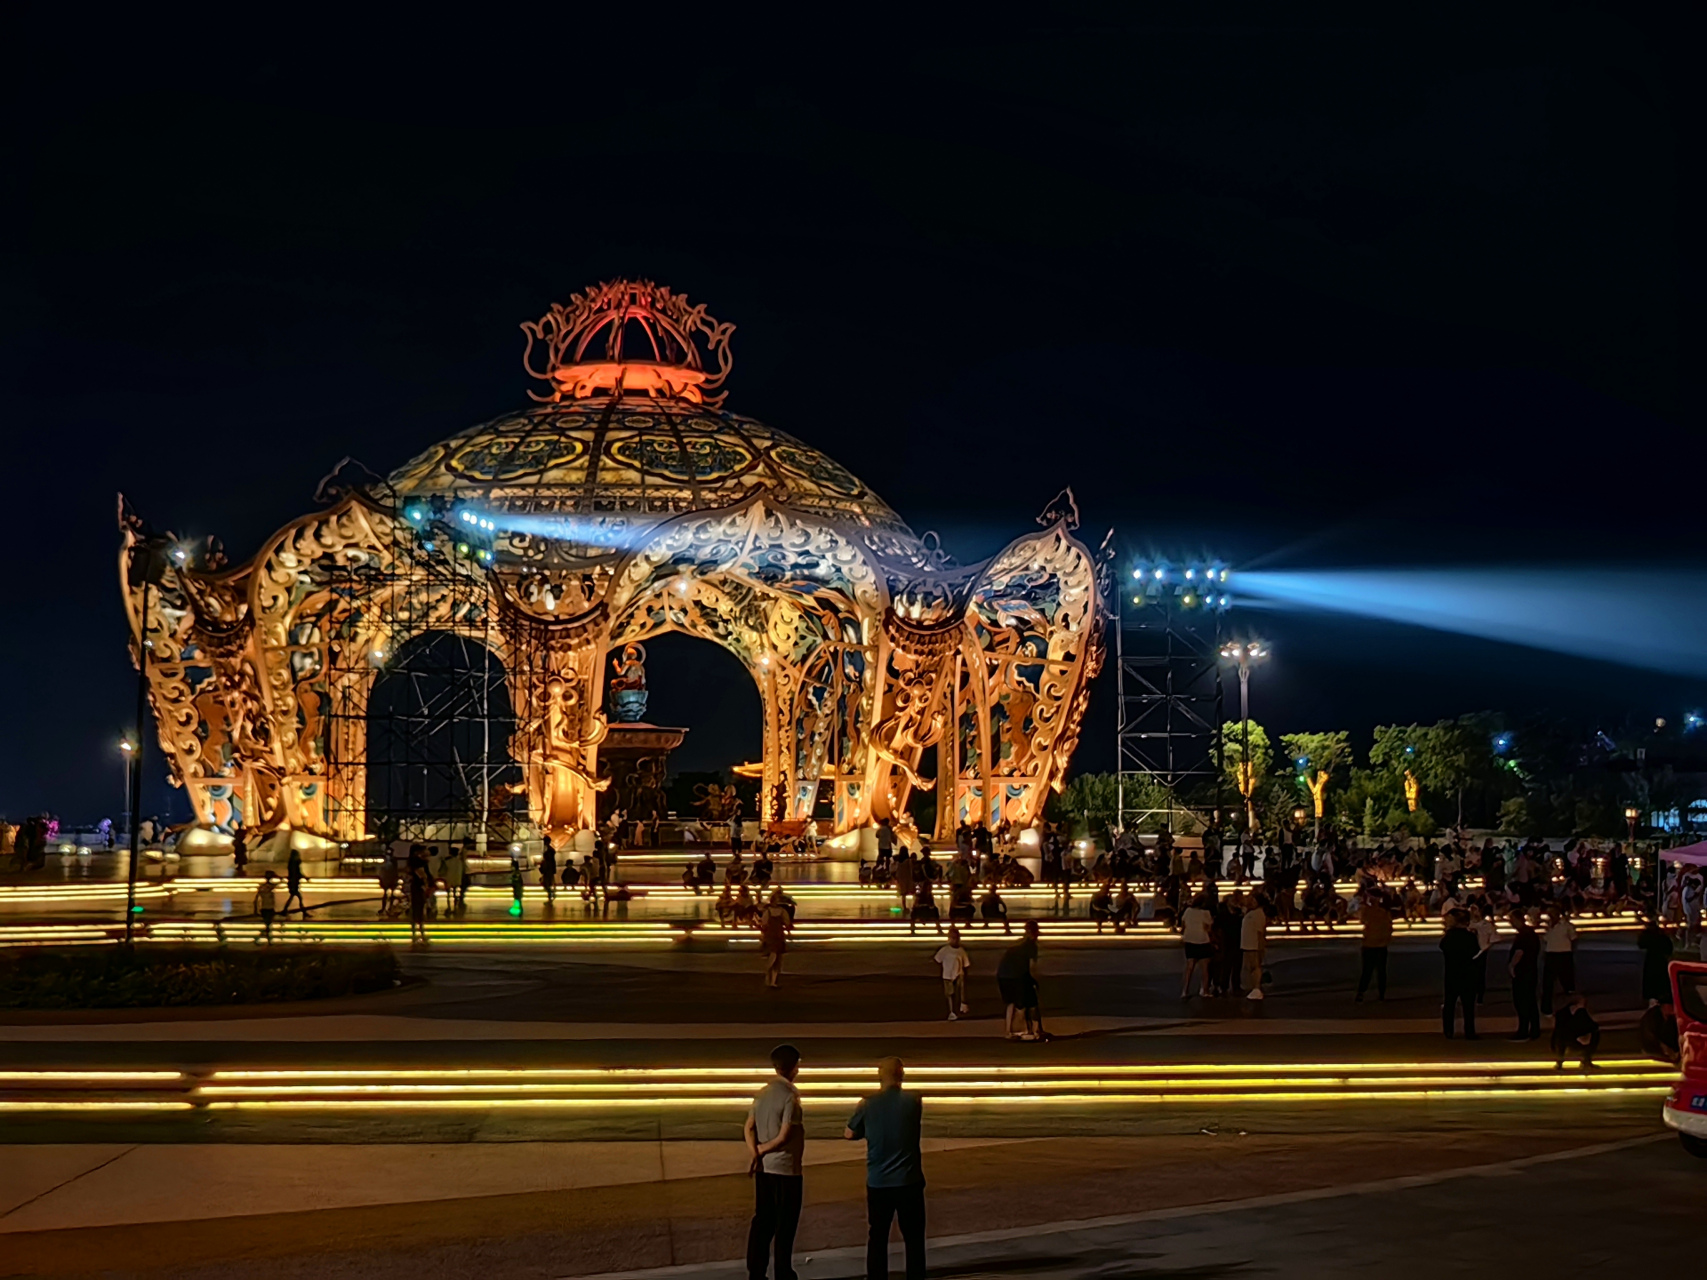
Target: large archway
{"x": 700, "y": 694}
{"x": 701, "y": 687}
{"x": 439, "y": 725}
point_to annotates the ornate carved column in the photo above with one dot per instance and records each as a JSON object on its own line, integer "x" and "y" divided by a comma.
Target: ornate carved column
{"x": 556, "y": 674}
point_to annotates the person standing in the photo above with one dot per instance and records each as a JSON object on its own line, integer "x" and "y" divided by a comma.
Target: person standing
{"x": 592, "y": 874}
{"x": 1558, "y": 959}
{"x": 547, "y": 870}
{"x": 1691, "y": 894}
{"x": 1377, "y": 922}
{"x": 890, "y": 1122}
{"x": 885, "y": 840}
{"x": 293, "y": 882}
{"x": 904, "y": 876}
{"x": 955, "y": 964}
{"x": 1253, "y": 946}
{"x": 1458, "y": 947}
{"x": 419, "y": 888}
{"x": 1487, "y": 934}
{"x": 457, "y": 874}
{"x": 1524, "y": 967}
{"x": 1199, "y": 947}
{"x": 776, "y": 1146}
{"x": 266, "y": 905}
{"x": 240, "y": 849}
{"x": 1656, "y": 945}
{"x": 1018, "y": 984}
{"x": 774, "y": 924}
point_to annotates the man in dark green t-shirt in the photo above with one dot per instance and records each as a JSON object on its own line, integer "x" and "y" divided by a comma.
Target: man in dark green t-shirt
{"x": 889, "y": 1123}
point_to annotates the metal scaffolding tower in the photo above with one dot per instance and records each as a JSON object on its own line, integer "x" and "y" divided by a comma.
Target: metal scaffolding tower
{"x": 1168, "y": 682}
{"x": 432, "y": 705}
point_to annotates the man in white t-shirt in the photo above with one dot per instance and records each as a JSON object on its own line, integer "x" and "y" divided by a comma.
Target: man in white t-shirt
{"x": 776, "y": 1147}
{"x": 955, "y": 964}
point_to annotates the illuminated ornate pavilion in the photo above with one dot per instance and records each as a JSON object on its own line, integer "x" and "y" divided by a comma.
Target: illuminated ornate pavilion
{"x": 623, "y": 503}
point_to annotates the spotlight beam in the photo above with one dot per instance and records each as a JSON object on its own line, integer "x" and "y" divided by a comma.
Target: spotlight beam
{"x": 1639, "y": 618}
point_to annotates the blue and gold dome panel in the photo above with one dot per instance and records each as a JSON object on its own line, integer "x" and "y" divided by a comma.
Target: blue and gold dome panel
{"x": 641, "y": 457}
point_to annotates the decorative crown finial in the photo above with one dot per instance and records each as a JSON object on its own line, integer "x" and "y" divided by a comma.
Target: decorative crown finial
{"x": 672, "y": 342}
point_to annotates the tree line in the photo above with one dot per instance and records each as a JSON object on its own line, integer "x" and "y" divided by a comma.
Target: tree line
{"x": 1539, "y": 776}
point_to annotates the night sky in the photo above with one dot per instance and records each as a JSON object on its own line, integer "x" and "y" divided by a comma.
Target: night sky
{"x": 1303, "y": 296}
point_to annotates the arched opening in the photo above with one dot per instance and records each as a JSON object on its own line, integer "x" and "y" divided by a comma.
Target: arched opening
{"x": 698, "y": 685}
{"x": 439, "y": 724}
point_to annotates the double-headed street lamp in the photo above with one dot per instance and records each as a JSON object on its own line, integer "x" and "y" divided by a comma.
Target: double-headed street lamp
{"x": 1245, "y": 654}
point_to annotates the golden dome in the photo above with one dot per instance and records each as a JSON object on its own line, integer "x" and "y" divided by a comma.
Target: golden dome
{"x": 631, "y": 432}
{"x": 638, "y": 460}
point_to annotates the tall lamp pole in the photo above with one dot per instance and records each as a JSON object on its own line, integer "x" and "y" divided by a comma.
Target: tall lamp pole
{"x": 147, "y": 566}
{"x": 1244, "y": 655}
{"x": 128, "y": 748}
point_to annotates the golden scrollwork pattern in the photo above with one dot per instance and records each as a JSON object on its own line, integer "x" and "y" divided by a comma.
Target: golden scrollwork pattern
{"x": 626, "y": 503}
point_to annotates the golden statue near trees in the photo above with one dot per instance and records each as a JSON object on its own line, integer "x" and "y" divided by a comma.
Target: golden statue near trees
{"x": 624, "y": 503}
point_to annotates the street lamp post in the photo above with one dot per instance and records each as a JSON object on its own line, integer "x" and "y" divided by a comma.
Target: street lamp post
{"x": 147, "y": 566}
{"x": 128, "y": 748}
{"x": 1244, "y": 655}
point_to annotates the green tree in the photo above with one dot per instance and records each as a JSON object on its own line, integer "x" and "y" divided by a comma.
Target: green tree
{"x": 1443, "y": 757}
{"x": 1365, "y": 800}
{"x": 1090, "y": 805}
{"x": 1150, "y": 798}
{"x": 1246, "y": 782}
{"x": 1514, "y": 818}
{"x": 1330, "y": 751}
{"x": 1314, "y": 758}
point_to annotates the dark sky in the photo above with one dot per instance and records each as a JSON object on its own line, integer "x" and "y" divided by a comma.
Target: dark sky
{"x": 1309, "y": 295}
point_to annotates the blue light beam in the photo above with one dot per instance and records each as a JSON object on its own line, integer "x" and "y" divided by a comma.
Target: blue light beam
{"x": 1642, "y": 618}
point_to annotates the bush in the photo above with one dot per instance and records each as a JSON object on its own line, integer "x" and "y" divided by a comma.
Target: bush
{"x": 151, "y": 977}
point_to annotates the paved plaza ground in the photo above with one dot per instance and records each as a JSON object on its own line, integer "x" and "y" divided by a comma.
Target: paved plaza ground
{"x": 1250, "y": 1179}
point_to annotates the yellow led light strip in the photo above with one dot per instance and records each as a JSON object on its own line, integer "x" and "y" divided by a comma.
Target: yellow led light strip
{"x": 72, "y": 1105}
{"x": 742, "y": 1099}
{"x": 994, "y": 1087}
{"x": 864, "y": 1072}
{"x": 91, "y": 1075}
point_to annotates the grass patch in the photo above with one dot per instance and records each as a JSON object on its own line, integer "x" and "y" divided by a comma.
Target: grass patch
{"x": 159, "y": 977}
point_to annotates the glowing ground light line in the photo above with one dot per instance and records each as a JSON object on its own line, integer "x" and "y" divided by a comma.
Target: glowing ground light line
{"x": 29, "y": 1076}
{"x": 863, "y": 1073}
{"x": 616, "y": 1074}
{"x": 115, "y": 1105}
{"x": 1182, "y": 1068}
{"x": 1317, "y": 1086}
{"x": 1010, "y": 1100}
